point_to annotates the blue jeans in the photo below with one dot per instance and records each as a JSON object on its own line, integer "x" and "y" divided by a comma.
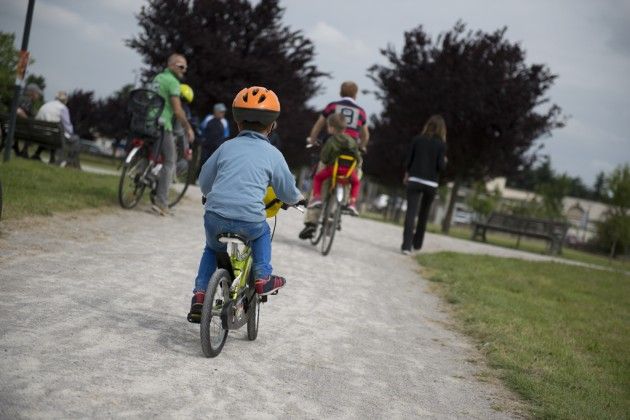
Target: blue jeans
{"x": 258, "y": 233}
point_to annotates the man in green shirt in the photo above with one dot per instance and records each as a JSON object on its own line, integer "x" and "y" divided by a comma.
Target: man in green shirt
{"x": 167, "y": 84}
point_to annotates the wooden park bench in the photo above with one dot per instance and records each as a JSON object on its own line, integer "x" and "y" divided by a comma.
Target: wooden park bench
{"x": 552, "y": 231}
{"x": 49, "y": 135}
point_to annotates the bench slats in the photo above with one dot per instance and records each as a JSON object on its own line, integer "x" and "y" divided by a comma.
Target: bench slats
{"x": 550, "y": 230}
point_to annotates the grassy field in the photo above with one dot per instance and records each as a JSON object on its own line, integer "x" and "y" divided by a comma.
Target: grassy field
{"x": 536, "y": 246}
{"x": 557, "y": 335}
{"x": 32, "y": 188}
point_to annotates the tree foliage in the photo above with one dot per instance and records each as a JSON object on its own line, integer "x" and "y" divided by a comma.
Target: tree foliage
{"x": 112, "y": 114}
{"x": 490, "y": 98}
{"x": 530, "y": 178}
{"x": 8, "y": 61}
{"x": 614, "y": 232}
{"x": 83, "y": 109}
{"x": 231, "y": 44}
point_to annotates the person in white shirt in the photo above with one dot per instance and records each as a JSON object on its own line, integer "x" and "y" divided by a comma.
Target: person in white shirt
{"x": 57, "y": 111}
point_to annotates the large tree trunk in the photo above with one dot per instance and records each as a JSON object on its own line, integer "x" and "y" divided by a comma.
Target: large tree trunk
{"x": 446, "y": 223}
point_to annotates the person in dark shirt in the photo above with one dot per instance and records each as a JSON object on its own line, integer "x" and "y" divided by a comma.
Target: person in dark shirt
{"x": 425, "y": 160}
{"x": 215, "y": 130}
{"x": 26, "y": 109}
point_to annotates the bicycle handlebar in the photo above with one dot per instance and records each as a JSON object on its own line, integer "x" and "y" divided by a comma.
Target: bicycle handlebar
{"x": 284, "y": 206}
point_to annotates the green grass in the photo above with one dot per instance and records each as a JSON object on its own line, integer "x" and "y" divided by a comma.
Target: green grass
{"x": 536, "y": 246}
{"x": 558, "y": 335}
{"x": 32, "y": 188}
{"x": 101, "y": 161}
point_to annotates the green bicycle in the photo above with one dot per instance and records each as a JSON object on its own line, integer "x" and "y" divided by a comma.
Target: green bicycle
{"x": 231, "y": 300}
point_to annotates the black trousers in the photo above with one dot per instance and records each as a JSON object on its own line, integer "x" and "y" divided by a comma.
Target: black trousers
{"x": 419, "y": 199}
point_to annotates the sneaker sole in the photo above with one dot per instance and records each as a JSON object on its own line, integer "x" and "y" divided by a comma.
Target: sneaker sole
{"x": 272, "y": 291}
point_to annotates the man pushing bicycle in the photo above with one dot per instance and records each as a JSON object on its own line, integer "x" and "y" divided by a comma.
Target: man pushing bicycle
{"x": 234, "y": 181}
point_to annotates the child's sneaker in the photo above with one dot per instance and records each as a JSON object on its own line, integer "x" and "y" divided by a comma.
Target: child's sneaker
{"x": 352, "y": 208}
{"x": 308, "y": 231}
{"x": 269, "y": 285}
{"x": 196, "y": 305}
{"x": 315, "y": 203}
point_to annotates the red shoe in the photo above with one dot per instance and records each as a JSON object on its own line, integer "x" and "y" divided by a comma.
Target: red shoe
{"x": 269, "y": 285}
{"x": 196, "y": 305}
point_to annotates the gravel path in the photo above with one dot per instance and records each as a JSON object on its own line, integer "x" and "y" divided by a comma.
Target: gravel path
{"x": 92, "y": 324}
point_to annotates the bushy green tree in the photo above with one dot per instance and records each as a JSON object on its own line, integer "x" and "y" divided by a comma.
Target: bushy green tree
{"x": 8, "y": 61}
{"x": 614, "y": 232}
{"x": 482, "y": 201}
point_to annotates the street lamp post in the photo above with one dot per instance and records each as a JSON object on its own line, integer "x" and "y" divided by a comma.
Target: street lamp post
{"x": 19, "y": 80}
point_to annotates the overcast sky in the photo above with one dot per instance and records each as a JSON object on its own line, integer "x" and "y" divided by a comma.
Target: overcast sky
{"x": 79, "y": 44}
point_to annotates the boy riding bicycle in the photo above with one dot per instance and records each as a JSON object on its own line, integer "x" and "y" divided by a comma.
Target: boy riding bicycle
{"x": 336, "y": 145}
{"x": 234, "y": 181}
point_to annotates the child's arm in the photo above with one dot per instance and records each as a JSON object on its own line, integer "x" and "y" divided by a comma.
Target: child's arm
{"x": 283, "y": 183}
{"x": 208, "y": 173}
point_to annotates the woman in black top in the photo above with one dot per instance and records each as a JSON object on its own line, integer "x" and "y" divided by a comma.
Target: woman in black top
{"x": 425, "y": 160}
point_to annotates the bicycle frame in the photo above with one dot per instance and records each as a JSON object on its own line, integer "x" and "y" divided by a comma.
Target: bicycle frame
{"x": 235, "y": 313}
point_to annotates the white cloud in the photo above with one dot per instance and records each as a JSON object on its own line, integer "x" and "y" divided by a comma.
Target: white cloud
{"x": 101, "y": 33}
{"x": 332, "y": 39}
{"x": 123, "y": 6}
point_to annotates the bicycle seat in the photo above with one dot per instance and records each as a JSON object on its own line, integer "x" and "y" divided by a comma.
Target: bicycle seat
{"x": 231, "y": 238}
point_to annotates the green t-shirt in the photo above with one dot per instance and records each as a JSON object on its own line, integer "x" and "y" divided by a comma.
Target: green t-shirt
{"x": 167, "y": 85}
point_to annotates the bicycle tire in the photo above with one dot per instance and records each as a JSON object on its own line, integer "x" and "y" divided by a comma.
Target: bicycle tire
{"x": 330, "y": 223}
{"x": 318, "y": 230}
{"x": 254, "y": 318}
{"x": 131, "y": 172}
{"x": 186, "y": 177}
{"x": 211, "y": 311}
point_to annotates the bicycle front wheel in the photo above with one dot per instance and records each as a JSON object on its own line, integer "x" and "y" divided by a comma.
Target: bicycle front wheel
{"x": 213, "y": 335}
{"x": 330, "y": 221}
{"x": 131, "y": 187}
{"x": 319, "y": 230}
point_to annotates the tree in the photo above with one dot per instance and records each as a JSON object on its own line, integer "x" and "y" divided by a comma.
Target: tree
{"x": 481, "y": 201}
{"x": 8, "y": 61}
{"x": 598, "y": 186}
{"x": 614, "y": 232}
{"x": 83, "y": 108}
{"x": 231, "y": 44}
{"x": 552, "y": 194}
{"x": 490, "y": 98}
{"x": 112, "y": 117}
{"x": 37, "y": 79}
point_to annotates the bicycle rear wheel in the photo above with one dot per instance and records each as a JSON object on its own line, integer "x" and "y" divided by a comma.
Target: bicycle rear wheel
{"x": 330, "y": 221}
{"x": 213, "y": 335}
{"x": 130, "y": 186}
{"x": 184, "y": 175}
{"x": 254, "y": 318}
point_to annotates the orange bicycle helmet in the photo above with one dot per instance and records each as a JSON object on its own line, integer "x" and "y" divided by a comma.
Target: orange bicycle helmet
{"x": 256, "y": 104}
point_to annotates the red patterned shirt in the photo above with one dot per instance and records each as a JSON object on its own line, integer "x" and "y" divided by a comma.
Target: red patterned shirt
{"x": 354, "y": 114}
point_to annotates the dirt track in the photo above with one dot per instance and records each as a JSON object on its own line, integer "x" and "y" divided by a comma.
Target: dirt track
{"x": 92, "y": 324}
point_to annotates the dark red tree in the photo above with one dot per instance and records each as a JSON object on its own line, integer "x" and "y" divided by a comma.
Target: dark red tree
{"x": 494, "y": 104}
{"x": 231, "y": 44}
{"x": 83, "y": 108}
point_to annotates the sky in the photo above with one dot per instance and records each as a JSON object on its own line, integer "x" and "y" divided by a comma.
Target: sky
{"x": 80, "y": 45}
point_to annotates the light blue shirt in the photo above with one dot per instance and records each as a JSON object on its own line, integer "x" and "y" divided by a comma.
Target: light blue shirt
{"x": 235, "y": 178}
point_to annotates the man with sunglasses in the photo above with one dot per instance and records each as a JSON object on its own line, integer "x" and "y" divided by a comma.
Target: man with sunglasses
{"x": 167, "y": 84}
